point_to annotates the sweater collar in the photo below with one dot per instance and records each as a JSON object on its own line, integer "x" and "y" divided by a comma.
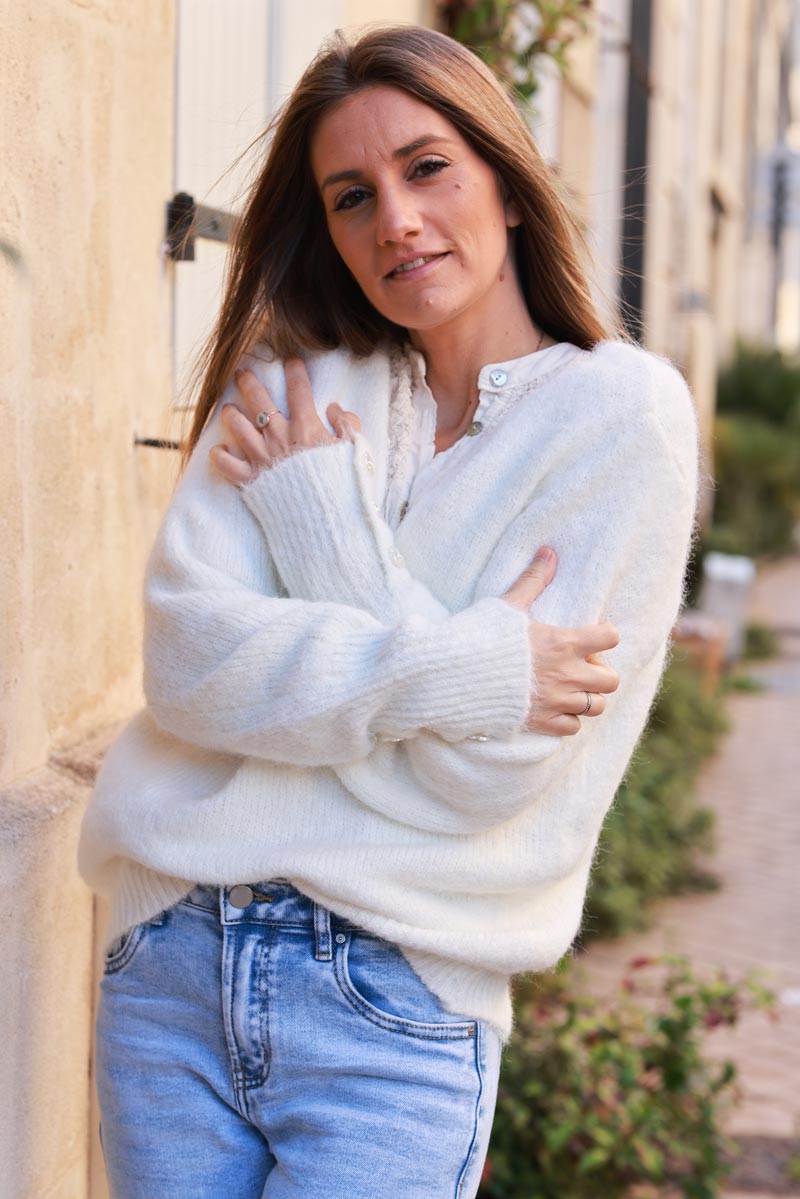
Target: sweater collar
{"x": 498, "y": 377}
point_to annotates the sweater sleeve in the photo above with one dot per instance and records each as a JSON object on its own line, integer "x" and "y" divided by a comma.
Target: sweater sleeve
{"x": 623, "y": 559}
{"x": 233, "y": 665}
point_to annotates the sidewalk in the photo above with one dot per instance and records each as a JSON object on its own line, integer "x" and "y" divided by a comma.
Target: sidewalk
{"x": 754, "y": 919}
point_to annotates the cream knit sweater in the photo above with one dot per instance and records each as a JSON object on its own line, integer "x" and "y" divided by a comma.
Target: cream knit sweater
{"x": 335, "y": 696}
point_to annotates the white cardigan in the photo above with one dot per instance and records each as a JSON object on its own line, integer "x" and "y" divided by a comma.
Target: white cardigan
{"x": 335, "y": 694}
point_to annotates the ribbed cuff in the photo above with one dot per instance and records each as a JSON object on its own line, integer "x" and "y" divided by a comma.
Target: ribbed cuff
{"x": 324, "y": 530}
{"x": 472, "y": 675}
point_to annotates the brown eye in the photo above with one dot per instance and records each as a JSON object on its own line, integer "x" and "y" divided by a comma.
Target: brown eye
{"x": 350, "y": 199}
{"x": 430, "y": 166}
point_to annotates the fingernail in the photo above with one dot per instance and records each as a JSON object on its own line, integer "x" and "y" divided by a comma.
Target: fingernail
{"x": 237, "y": 374}
{"x": 543, "y": 555}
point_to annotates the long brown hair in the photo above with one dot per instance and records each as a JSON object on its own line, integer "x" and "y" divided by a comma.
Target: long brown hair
{"x": 286, "y": 284}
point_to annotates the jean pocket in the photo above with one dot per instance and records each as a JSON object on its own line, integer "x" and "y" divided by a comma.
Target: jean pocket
{"x": 122, "y": 950}
{"x": 377, "y": 979}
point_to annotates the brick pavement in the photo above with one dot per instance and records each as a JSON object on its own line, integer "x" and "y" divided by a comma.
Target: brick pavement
{"x": 753, "y": 785}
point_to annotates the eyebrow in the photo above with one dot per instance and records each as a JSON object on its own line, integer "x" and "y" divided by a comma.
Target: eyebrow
{"x": 427, "y": 139}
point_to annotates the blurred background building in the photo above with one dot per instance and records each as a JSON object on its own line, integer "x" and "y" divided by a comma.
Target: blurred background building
{"x": 676, "y": 131}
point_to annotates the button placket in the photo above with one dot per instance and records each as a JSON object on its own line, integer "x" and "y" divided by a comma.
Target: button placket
{"x": 382, "y": 535}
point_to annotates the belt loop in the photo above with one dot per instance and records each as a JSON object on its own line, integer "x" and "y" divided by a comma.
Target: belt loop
{"x": 322, "y": 933}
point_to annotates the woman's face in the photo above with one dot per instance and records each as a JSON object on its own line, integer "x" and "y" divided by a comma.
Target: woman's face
{"x": 400, "y": 184}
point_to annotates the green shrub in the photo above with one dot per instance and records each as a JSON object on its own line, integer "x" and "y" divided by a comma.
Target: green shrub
{"x": 757, "y": 503}
{"x": 760, "y": 642}
{"x": 761, "y": 381}
{"x": 757, "y": 454}
{"x": 594, "y": 1098}
{"x": 655, "y": 830}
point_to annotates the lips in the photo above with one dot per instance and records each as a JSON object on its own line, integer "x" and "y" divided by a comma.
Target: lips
{"x": 413, "y": 264}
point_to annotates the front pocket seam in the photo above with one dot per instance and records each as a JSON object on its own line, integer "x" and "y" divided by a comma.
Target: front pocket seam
{"x": 456, "y": 1031}
{"x": 124, "y": 954}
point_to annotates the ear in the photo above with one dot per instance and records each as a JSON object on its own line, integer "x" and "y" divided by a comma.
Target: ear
{"x": 513, "y": 213}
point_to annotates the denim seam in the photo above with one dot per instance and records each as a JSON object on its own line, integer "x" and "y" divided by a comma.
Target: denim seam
{"x": 408, "y": 1028}
{"x": 264, "y": 963}
{"x": 237, "y": 1071}
{"x": 476, "y": 1125}
{"x": 129, "y": 946}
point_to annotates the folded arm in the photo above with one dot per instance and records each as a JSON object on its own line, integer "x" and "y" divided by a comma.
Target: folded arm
{"x": 623, "y": 557}
{"x": 230, "y": 664}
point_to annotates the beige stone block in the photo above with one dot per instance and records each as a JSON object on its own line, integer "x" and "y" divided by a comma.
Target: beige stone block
{"x": 45, "y": 994}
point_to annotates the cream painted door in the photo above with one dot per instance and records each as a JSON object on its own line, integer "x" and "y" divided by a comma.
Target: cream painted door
{"x": 236, "y": 61}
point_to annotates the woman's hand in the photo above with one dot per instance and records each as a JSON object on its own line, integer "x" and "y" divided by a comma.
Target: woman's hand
{"x": 565, "y": 662}
{"x": 258, "y": 435}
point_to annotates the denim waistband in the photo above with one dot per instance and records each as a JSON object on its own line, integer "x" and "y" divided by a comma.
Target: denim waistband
{"x": 271, "y": 901}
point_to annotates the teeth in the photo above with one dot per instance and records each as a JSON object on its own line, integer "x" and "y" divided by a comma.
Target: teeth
{"x": 409, "y": 266}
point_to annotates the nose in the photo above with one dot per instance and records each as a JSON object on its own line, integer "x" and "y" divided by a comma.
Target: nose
{"x": 397, "y": 216}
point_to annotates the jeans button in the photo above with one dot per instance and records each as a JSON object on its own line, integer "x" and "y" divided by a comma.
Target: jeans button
{"x": 241, "y": 896}
{"x": 341, "y": 938}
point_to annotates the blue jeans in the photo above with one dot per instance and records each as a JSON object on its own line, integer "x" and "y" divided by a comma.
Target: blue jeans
{"x": 250, "y": 1043}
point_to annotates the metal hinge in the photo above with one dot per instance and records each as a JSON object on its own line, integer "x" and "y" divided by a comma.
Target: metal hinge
{"x": 186, "y": 221}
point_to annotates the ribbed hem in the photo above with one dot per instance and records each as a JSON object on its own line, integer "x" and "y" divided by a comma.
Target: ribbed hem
{"x": 138, "y": 895}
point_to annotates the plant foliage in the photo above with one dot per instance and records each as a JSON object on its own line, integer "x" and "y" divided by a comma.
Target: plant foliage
{"x": 595, "y": 1098}
{"x": 757, "y": 454}
{"x": 511, "y": 35}
{"x": 655, "y": 830}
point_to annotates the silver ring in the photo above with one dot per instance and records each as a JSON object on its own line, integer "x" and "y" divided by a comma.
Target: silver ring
{"x": 588, "y": 707}
{"x": 262, "y": 420}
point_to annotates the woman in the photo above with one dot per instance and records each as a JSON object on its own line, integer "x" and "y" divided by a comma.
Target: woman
{"x": 361, "y": 797}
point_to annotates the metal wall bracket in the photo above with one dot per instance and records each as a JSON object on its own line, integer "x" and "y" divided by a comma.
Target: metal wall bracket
{"x": 187, "y": 221}
{"x": 157, "y": 443}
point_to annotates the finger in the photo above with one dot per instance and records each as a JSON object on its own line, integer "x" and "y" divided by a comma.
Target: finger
{"x": 303, "y": 413}
{"x": 602, "y": 679}
{"x": 577, "y": 704}
{"x": 256, "y": 399}
{"x": 233, "y": 448}
{"x": 243, "y": 435}
{"x": 353, "y": 421}
{"x": 344, "y": 424}
{"x": 533, "y": 580}
{"x": 231, "y": 467}
{"x": 563, "y": 725}
{"x": 594, "y": 638}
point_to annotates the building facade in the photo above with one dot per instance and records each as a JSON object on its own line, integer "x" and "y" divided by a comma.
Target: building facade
{"x": 677, "y": 132}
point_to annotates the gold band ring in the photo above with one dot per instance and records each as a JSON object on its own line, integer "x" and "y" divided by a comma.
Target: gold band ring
{"x": 262, "y": 420}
